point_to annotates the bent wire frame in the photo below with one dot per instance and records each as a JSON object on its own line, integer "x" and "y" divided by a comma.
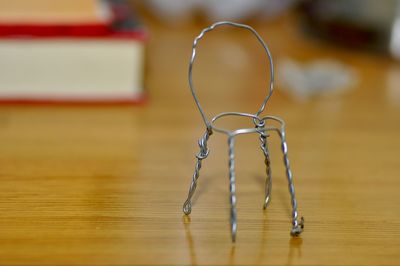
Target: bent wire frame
{"x": 260, "y": 128}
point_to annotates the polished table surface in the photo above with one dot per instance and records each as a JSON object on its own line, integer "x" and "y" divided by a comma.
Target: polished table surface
{"x": 104, "y": 185}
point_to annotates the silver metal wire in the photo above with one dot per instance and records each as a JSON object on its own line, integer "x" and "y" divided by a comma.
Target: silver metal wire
{"x": 232, "y": 187}
{"x": 268, "y": 180}
{"x": 193, "y": 57}
{"x": 203, "y": 153}
{"x": 260, "y": 128}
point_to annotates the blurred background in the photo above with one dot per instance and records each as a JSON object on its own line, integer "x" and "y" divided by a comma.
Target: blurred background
{"x": 323, "y": 50}
{"x": 98, "y": 126}
{"x": 313, "y": 42}
{"x": 94, "y": 50}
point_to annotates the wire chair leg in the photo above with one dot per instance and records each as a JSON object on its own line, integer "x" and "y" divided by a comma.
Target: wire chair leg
{"x": 203, "y": 153}
{"x": 297, "y": 225}
{"x": 232, "y": 187}
{"x": 268, "y": 180}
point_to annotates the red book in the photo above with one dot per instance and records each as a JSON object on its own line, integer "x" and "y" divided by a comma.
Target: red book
{"x": 95, "y": 55}
{"x": 49, "y": 17}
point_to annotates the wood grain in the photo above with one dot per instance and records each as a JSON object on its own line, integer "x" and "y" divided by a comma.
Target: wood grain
{"x": 105, "y": 185}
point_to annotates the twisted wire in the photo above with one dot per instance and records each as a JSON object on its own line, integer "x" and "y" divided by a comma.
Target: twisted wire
{"x": 267, "y": 161}
{"x": 297, "y": 226}
{"x": 232, "y": 188}
{"x": 203, "y": 153}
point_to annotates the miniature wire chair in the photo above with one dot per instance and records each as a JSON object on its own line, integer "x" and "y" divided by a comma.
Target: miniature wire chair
{"x": 260, "y": 128}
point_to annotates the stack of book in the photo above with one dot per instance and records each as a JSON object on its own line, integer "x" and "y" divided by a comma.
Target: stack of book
{"x": 89, "y": 51}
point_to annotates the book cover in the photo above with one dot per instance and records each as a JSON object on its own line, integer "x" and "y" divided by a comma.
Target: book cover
{"x": 72, "y": 67}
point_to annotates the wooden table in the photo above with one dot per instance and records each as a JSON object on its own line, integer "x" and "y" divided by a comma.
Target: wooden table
{"x": 105, "y": 185}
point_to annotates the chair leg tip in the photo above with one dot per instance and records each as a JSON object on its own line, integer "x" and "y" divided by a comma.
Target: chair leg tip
{"x": 298, "y": 229}
{"x": 187, "y": 208}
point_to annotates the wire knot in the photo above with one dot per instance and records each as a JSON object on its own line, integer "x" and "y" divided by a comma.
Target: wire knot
{"x": 202, "y": 154}
{"x": 204, "y": 151}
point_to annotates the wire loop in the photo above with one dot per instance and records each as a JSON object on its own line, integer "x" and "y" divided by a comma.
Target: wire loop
{"x": 193, "y": 57}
